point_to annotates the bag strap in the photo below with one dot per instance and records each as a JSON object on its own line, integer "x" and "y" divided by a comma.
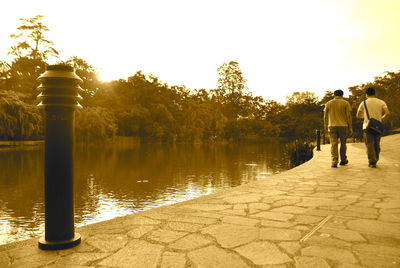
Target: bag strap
{"x": 366, "y": 109}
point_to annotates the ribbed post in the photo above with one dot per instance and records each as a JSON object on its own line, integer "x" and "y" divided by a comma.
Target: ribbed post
{"x": 60, "y": 87}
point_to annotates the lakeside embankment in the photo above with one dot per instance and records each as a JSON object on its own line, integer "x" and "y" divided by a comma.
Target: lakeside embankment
{"x": 20, "y": 143}
{"x": 309, "y": 216}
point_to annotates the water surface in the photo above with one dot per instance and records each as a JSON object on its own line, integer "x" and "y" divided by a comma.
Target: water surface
{"x": 117, "y": 180}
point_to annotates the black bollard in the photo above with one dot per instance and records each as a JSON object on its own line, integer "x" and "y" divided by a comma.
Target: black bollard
{"x": 59, "y": 93}
{"x": 318, "y": 140}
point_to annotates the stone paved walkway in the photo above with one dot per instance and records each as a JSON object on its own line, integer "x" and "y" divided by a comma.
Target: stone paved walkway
{"x": 310, "y": 216}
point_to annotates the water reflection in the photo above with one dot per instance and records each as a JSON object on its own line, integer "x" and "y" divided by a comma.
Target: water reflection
{"x": 116, "y": 180}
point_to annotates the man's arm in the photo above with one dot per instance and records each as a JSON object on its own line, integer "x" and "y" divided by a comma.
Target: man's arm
{"x": 360, "y": 111}
{"x": 386, "y": 112}
{"x": 326, "y": 119}
{"x": 349, "y": 119}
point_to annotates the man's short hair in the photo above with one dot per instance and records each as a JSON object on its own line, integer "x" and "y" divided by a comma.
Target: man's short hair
{"x": 338, "y": 92}
{"x": 370, "y": 91}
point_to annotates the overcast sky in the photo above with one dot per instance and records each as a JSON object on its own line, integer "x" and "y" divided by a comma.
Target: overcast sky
{"x": 282, "y": 46}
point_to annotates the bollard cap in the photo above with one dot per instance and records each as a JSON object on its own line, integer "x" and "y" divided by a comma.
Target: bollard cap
{"x": 59, "y": 87}
{"x": 60, "y": 71}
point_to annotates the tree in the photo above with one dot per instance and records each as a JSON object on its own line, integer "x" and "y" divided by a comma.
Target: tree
{"x": 231, "y": 79}
{"x": 232, "y": 90}
{"x": 19, "y": 120}
{"x": 31, "y": 40}
{"x": 94, "y": 124}
{"x": 89, "y": 77}
{"x": 31, "y": 51}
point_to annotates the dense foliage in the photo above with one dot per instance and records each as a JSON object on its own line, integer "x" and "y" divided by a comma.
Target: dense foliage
{"x": 145, "y": 107}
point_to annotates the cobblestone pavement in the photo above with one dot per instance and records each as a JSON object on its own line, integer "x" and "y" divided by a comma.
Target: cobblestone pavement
{"x": 310, "y": 216}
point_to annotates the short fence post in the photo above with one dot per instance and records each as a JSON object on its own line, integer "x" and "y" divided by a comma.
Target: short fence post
{"x": 318, "y": 140}
{"x": 59, "y": 93}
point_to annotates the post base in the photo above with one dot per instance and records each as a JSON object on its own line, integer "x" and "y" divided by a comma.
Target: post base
{"x": 47, "y": 245}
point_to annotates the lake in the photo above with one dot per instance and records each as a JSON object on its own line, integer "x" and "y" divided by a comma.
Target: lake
{"x": 121, "y": 179}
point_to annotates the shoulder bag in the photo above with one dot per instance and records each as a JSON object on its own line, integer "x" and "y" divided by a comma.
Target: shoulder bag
{"x": 374, "y": 126}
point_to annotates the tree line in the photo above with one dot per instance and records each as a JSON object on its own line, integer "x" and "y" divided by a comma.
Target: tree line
{"x": 145, "y": 107}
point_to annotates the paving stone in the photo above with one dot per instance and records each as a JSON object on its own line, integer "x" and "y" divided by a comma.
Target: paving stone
{"x": 190, "y": 242}
{"x": 158, "y": 216}
{"x": 203, "y": 214}
{"x": 324, "y": 240}
{"x": 375, "y": 227}
{"x": 276, "y": 216}
{"x": 332, "y": 253}
{"x": 137, "y": 220}
{"x": 302, "y": 227}
{"x": 245, "y": 198}
{"x": 173, "y": 260}
{"x": 59, "y": 265}
{"x": 346, "y": 213}
{"x": 263, "y": 253}
{"x": 274, "y": 266}
{"x": 372, "y": 260}
{"x": 184, "y": 226}
{"x": 287, "y": 202}
{"x": 208, "y": 207}
{"x": 253, "y": 211}
{"x": 165, "y": 236}
{"x": 277, "y": 223}
{"x": 240, "y": 206}
{"x": 82, "y": 258}
{"x": 365, "y": 210}
{"x": 279, "y": 234}
{"x": 5, "y": 261}
{"x": 305, "y": 219}
{"x": 140, "y": 253}
{"x": 290, "y": 210}
{"x": 327, "y": 194}
{"x": 238, "y": 212}
{"x": 347, "y": 235}
{"x": 389, "y": 203}
{"x": 140, "y": 231}
{"x": 36, "y": 260}
{"x": 30, "y": 250}
{"x": 378, "y": 249}
{"x": 290, "y": 247}
{"x": 348, "y": 265}
{"x": 390, "y": 217}
{"x": 240, "y": 220}
{"x": 318, "y": 202}
{"x": 320, "y": 212}
{"x": 229, "y": 235}
{"x": 260, "y": 206}
{"x": 214, "y": 257}
{"x": 107, "y": 242}
{"x": 333, "y": 208}
{"x": 310, "y": 262}
{"x": 364, "y": 204}
{"x": 274, "y": 193}
{"x": 194, "y": 219}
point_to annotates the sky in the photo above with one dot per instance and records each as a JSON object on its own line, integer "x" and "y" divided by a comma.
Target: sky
{"x": 282, "y": 46}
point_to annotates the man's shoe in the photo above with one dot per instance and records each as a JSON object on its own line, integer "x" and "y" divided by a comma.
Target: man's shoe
{"x": 372, "y": 165}
{"x": 334, "y": 165}
{"x": 344, "y": 162}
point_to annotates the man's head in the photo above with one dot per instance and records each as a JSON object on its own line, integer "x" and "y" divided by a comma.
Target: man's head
{"x": 338, "y": 93}
{"x": 370, "y": 91}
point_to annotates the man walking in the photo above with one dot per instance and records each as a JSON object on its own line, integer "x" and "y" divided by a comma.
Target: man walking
{"x": 376, "y": 109}
{"x": 337, "y": 121}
